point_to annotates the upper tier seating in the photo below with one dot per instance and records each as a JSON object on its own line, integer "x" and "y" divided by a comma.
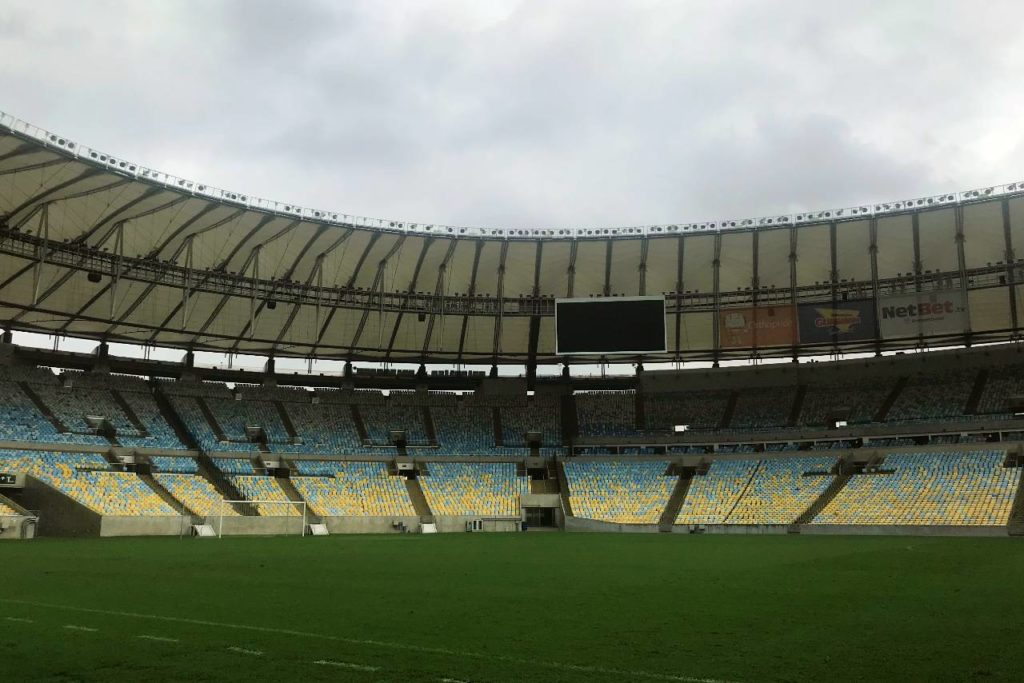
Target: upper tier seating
{"x": 168, "y": 463}
{"x": 21, "y": 420}
{"x": 955, "y": 488}
{"x": 522, "y": 414}
{"x": 326, "y": 428}
{"x": 91, "y": 394}
{"x": 361, "y": 489}
{"x": 763, "y": 408}
{"x": 463, "y": 429}
{"x": 1002, "y": 385}
{"x": 933, "y": 397}
{"x": 779, "y": 491}
{"x": 190, "y": 412}
{"x": 196, "y": 493}
{"x": 701, "y": 410}
{"x": 857, "y": 402}
{"x": 398, "y": 413}
{"x": 623, "y": 492}
{"x": 488, "y": 489}
{"x": 606, "y": 413}
{"x": 712, "y": 497}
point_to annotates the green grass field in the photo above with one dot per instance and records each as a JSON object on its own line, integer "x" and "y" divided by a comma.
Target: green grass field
{"x": 513, "y": 607}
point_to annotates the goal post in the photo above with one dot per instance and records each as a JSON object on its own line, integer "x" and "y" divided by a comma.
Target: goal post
{"x": 263, "y": 509}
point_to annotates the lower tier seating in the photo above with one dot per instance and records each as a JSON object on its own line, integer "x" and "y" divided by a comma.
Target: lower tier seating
{"x": 621, "y": 492}
{"x": 196, "y": 493}
{"x": 265, "y": 490}
{"x": 954, "y": 488}
{"x": 713, "y": 496}
{"x": 781, "y": 490}
{"x": 487, "y": 489}
{"x": 7, "y": 511}
{"x": 360, "y": 489}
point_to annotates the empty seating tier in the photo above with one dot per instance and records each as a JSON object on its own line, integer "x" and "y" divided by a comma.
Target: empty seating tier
{"x": 956, "y": 488}
{"x": 485, "y": 489}
{"x": 360, "y": 489}
{"x": 621, "y": 492}
{"x": 782, "y": 489}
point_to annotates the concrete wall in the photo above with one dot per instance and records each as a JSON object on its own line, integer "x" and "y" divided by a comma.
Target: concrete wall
{"x": 145, "y": 526}
{"x": 257, "y": 526}
{"x": 457, "y": 523}
{"x": 583, "y": 524}
{"x": 369, "y": 525}
{"x": 60, "y": 516}
{"x": 17, "y": 528}
{"x": 902, "y": 530}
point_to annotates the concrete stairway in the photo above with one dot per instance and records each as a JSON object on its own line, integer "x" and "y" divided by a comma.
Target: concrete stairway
{"x": 428, "y": 424}
{"x": 730, "y": 408}
{"x": 798, "y": 406}
{"x": 746, "y": 488}
{"x": 211, "y": 419}
{"x": 224, "y": 487}
{"x": 419, "y": 500}
{"x": 826, "y": 497}
{"x": 166, "y": 495}
{"x": 883, "y": 412}
{"x": 357, "y": 419}
{"x": 293, "y": 495}
{"x": 976, "y": 391}
{"x": 563, "y": 487}
{"x": 1015, "y": 523}
{"x": 43, "y": 408}
{"x": 129, "y": 412}
{"x": 499, "y": 435}
{"x": 172, "y": 418}
{"x": 286, "y": 420}
{"x": 675, "y": 501}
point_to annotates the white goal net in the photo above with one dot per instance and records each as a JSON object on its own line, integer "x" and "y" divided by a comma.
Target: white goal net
{"x": 240, "y": 517}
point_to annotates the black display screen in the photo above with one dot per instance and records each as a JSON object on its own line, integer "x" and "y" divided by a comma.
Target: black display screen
{"x": 634, "y": 325}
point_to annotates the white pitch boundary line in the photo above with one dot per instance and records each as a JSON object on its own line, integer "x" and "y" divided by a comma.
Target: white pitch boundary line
{"x": 451, "y": 680}
{"x": 522, "y": 661}
{"x": 87, "y": 629}
{"x": 244, "y": 651}
{"x": 347, "y": 665}
{"x": 159, "y": 639}
{"x": 20, "y": 620}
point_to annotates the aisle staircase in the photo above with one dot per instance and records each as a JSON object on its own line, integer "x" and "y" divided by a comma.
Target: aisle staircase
{"x": 419, "y": 501}
{"x": 675, "y": 501}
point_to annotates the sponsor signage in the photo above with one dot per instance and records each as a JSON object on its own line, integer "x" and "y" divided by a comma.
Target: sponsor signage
{"x": 8, "y": 479}
{"x": 922, "y": 313}
{"x": 745, "y": 328}
{"x": 823, "y": 323}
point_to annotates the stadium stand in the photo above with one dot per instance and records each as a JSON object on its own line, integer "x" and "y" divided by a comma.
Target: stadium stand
{"x": 196, "y": 493}
{"x": 234, "y": 465}
{"x": 7, "y": 511}
{"x": 362, "y": 489}
{"x": 87, "y": 479}
{"x": 713, "y": 496}
{"x": 174, "y": 463}
{"x": 264, "y": 489}
{"x": 622, "y": 492}
{"x": 857, "y": 402}
{"x": 933, "y": 397}
{"x": 606, "y": 413}
{"x": 463, "y": 429}
{"x": 486, "y": 489}
{"x": 949, "y": 488}
{"x": 700, "y": 410}
{"x": 780, "y": 491}
{"x": 763, "y": 408}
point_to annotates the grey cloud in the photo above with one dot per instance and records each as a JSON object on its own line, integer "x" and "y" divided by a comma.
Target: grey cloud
{"x": 533, "y": 113}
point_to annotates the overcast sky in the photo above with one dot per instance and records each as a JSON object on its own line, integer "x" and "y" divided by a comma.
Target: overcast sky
{"x": 534, "y": 114}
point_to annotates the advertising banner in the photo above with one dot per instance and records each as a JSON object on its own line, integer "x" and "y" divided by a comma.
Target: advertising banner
{"x": 743, "y": 328}
{"x": 922, "y": 313}
{"x": 844, "y": 321}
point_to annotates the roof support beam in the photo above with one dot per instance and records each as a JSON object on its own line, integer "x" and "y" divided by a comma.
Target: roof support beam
{"x": 378, "y": 286}
{"x": 570, "y": 272}
{"x": 1009, "y": 258}
{"x": 41, "y": 250}
{"x": 469, "y": 299}
{"x": 351, "y": 282}
{"x": 607, "y": 291}
{"x": 438, "y": 301}
{"x": 84, "y": 237}
{"x": 501, "y": 296}
{"x": 40, "y": 196}
{"x": 410, "y": 290}
{"x": 156, "y": 251}
{"x": 642, "y": 268}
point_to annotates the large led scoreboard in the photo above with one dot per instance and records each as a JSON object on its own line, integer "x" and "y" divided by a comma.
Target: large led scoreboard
{"x": 605, "y": 326}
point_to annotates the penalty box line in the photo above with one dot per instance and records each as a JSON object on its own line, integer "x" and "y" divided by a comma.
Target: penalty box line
{"x": 464, "y": 654}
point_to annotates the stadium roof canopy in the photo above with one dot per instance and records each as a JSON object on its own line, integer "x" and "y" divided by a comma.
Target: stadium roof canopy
{"x": 98, "y": 247}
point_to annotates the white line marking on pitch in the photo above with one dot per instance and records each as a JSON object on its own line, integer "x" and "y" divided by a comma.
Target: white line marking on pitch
{"x": 20, "y": 620}
{"x": 72, "y": 627}
{"x": 346, "y": 665}
{"x": 159, "y": 639}
{"x": 520, "y": 661}
{"x": 243, "y": 651}
{"x": 451, "y": 680}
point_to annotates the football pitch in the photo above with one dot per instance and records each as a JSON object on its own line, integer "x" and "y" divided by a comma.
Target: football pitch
{"x": 479, "y": 608}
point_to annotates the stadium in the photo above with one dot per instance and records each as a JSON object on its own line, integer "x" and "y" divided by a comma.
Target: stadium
{"x": 832, "y": 471}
